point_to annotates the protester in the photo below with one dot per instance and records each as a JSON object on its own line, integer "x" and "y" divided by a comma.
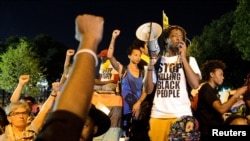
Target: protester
{"x": 23, "y": 80}
{"x": 20, "y": 127}
{"x": 71, "y": 112}
{"x": 131, "y": 77}
{"x": 210, "y": 109}
{"x": 108, "y": 81}
{"x": 97, "y": 123}
{"x": 139, "y": 130}
{"x": 16, "y": 96}
{"x": 144, "y": 49}
{"x": 168, "y": 75}
{"x": 108, "y": 76}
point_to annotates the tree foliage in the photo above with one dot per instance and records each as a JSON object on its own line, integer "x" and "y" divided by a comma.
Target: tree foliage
{"x": 241, "y": 28}
{"x": 52, "y": 55}
{"x": 19, "y": 59}
{"x": 216, "y": 43}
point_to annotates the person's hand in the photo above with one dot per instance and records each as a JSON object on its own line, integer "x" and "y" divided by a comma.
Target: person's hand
{"x": 182, "y": 49}
{"x": 242, "y": 90}
{"x": 136, "y": 109}
{"x": 23, "y": 79}
{"x": 70, "y": 52}
{"x": 153, "y": 61}
{"x": 115, "y": 33}
{"x": 56, "y": 86}
{"x": 90, "y": 26}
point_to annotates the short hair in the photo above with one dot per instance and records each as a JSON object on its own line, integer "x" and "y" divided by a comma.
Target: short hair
{"x": 210, "y": 66}
{"x": 131, "y": 48}
{"x": 15, "y": 105}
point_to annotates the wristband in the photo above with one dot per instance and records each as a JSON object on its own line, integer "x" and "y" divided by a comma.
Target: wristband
{"x": 89, "y": 52}
{"x": 53, "y": 95}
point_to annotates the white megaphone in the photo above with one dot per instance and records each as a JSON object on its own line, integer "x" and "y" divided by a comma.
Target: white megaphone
{"x": 150, "y": 32}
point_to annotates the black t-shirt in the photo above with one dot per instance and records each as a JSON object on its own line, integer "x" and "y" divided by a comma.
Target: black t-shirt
{"x": 61, "y": 126}
{"x": 206, "y": 114}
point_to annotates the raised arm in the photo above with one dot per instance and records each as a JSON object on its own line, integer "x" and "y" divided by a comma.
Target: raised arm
{"x": 117, "y": 66}
{"x": 23, "y": 79}
{"x": 46, "y": 108}
{"x": 69, "y": 54}
{"x": 193, "y": 78}
{"x": 92, "y": 28}
{"x": 223, "y": 108}
{"x": 72, "y": 107}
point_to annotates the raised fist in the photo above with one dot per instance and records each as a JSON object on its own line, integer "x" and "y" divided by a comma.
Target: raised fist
{"x": 23, "y": 79}
{"x": 56, "y": 86}
{"x": 70, "y": 52}
{"x": 89, "y": 25}
{"x": 116, "y": 33}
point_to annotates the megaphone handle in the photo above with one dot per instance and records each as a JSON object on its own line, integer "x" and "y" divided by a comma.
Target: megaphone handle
{"x": 150, "y": 30}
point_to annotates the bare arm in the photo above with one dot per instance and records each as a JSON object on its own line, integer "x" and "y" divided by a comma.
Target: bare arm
{"x": 116, "y": 65}
{"x": 69, "y": 54}
{"x": 223, "y": 108}
{"x": 92, "y": 28}
{"x": 137, "y": 105}
{"x": 148, "y": 80}
{"x": 23, "y": 79}
{"x": 192, "y": 78}
{"x": 47, "y": 106}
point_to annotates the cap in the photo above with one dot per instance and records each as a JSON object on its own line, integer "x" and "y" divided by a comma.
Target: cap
{"x": 103, "y": 53}
{"x": 101, "y": 120}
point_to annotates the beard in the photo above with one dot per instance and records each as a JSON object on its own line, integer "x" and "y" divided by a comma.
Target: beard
{"x": 170, "y": 46}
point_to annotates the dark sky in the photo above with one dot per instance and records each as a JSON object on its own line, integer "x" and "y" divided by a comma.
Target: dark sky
{"x": 56, "y": 17}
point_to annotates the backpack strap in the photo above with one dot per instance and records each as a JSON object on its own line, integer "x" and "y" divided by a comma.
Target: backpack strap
{"x": 157, "y": 65}
{"x": 124, "y": 72}
{"x": 119, "y": 83}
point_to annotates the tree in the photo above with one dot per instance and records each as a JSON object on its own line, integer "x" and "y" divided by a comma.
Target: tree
{"x": 216, "y": 43}
{"x": 51, "y": 54}
{"x": 17, "y": 60}
{"x": 241, "y": 29}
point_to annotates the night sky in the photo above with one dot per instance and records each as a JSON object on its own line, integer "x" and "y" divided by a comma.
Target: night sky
{"x": 56, "y": 17}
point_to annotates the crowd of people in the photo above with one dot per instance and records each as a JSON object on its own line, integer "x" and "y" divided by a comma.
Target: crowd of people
{"x": 161, "y": 79}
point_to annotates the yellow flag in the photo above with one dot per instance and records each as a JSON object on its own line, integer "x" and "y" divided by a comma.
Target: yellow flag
{"x": 165, "y": 20}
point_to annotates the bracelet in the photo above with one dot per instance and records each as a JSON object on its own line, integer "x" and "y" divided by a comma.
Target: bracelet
{"x": 53, "y": 95}
{"x": 87, "y": 51}
{"x": 150, "y": 69}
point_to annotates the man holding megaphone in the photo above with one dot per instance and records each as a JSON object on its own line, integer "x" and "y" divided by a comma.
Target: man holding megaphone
{"x": 168, "y": 71}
